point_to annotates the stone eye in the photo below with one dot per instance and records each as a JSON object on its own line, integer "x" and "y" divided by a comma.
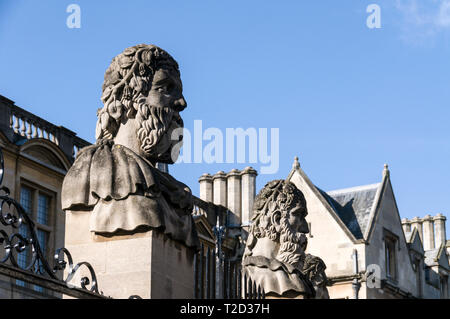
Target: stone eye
{"x": 162, "y": 89}
{"x": 166, "y": 88}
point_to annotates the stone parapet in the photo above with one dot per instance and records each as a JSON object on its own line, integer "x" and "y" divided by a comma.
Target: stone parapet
{"x": 17, "y": 123}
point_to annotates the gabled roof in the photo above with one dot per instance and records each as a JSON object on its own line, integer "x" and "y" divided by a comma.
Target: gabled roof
{"x": 353, "y": 206}
{"x": 436, "y": 257}
{"x": 321, "y": 197}
{"x": 413, "y": 241}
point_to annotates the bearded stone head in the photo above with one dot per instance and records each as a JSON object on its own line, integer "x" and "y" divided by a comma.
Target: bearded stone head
{"x": 142, "y": 97}
{"x": 279, "y": 215}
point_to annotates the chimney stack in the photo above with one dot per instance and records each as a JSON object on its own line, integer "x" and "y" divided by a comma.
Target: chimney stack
{"x": 234, "y": 196}
{"x": 235, "y": 191}
{"x": 428, "y": 232}
{"x": 206, "y": 187}
{"x": 220, "y": 189}
{"x": 248, "y": 176}
{"x": 439, "y": 231}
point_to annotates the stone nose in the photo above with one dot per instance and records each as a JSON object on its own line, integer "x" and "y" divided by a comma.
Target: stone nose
{"x": 180, "y": 104}
{"x": 304, "y": 228}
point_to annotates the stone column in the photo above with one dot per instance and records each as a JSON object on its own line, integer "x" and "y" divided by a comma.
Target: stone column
{"x": 220, "y": 189}
{"x": 428, "y": 232}
{"x": 206, "y": 187}
{"x": 248, "y": 176}
{"x": 416, "y": 222}
{"x": 439, "y": 230}
{"x": 234, "y": 196}
{"x": 406, "y": 225}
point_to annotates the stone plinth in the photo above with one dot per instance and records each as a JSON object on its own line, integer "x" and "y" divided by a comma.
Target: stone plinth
{"x": 147, "y": 264}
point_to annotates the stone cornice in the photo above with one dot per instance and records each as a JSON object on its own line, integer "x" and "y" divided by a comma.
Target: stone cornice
{"x": 219, "y": 175}
{"x": 234, "y": 173}
{"x": 249, "y": 170}
{"x": 205, "y": 177}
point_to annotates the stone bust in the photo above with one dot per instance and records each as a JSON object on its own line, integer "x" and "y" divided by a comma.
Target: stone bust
{"x": 116, "y": 178}
{"x": 274, "y": 254}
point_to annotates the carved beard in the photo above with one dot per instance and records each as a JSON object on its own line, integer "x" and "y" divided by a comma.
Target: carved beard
{"x": 156, "y": 127}
{"x": 291, "y": 243}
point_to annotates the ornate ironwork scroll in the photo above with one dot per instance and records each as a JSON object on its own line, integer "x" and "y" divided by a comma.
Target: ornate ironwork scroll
{"x": 13, "y": 216}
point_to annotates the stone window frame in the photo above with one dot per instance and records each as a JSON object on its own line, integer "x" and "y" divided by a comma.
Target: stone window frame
{"x": 418, "y": 268}
{"x": 391, "y": 240}
{"x": 48, "y": 228}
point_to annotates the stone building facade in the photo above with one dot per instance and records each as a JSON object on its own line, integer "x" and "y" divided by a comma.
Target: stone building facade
{"x": 359, "y": 233}
{"x": 369, "y": 251}
{"x": 37, "y": 155}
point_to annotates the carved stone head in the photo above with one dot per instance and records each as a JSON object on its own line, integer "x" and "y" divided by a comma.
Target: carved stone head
{"x": 279, "y": 224}
{"x": 142, "y": 97}
{"x": 314, "y": 268}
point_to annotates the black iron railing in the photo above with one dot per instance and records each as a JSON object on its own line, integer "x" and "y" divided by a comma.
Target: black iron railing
{"x": 218, "y": 273}
{"x": 37, "y": 270}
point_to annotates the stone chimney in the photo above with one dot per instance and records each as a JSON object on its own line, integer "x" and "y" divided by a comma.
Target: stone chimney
{"x": 206, "y": 187}
{"x": 248, "y": 176}
{"x": 234, "y": 196}
{"x": 235, "y": 191}
{"x": 428, "y": 232}
{"x": 220, "y": 189}
{"x": 416, "y": 222}
{"x": 406, "y": 225}
{"x": 439, "y": 230}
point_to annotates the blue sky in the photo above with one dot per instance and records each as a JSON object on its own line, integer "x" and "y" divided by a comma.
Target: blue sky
{"x": 346, "y": 98}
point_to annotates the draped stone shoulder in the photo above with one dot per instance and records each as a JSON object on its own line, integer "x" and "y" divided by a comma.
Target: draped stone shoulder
{"x": 125, "y": 192}
{"x": 277, "y": 277}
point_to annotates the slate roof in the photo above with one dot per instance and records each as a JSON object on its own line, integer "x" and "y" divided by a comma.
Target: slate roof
{"x": 353, "y": 206}
{"x": 432, "y": 257}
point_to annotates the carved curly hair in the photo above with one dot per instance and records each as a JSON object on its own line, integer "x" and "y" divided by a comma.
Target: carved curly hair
{"x": 277, "y": 195}
{"x": 314, "y": 268}
{"x": 129, "y": 75}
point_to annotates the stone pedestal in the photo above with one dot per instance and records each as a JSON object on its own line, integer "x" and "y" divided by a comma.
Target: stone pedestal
{"x": 148, "y": 264}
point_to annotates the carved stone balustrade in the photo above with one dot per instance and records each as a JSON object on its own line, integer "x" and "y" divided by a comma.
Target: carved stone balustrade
{"x": 18, "y": 124}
